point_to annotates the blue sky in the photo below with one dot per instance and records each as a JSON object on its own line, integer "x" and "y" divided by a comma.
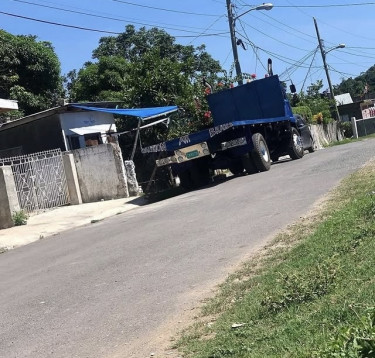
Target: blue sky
{"x": 286, "y": 33}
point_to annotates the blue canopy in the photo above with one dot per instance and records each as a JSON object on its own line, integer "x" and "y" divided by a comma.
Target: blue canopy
{"x": 144, "y": 113}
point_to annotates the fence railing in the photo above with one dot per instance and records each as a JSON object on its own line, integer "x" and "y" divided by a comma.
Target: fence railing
{"x": 40, "y": 180}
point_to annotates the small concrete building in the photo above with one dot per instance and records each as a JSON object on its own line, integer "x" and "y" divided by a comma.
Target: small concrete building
{"x": 67, "y": 127}
{"x": 7, "y": 105}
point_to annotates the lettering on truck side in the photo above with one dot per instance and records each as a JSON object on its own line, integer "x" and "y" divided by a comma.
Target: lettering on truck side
{"x": 161, "y": 147}
{"x": 219, "y": 129}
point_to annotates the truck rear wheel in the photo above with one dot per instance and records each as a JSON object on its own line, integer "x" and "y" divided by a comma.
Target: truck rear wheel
{"x": 248, "y": 164}
{"x": 295, "y": 150}
{"x": 197, "y": 175}
{"x": 185, "y": 180}
{"x": 236, "y": 167}
{"x": 260, "y": 153}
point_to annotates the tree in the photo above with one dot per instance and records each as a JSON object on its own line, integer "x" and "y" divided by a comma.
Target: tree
{"x": 317, "y": 103}
{"x": 29, "y": 72}
{"x": 359, "y": 85}
{"x": 147, "y": 68}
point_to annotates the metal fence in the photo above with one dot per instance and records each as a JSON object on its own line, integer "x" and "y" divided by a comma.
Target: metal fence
{"x": 365, "y": 127}
{"x": 40, "y": 180}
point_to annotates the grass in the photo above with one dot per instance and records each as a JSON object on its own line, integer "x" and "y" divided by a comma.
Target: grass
{"x": 20, "y": 218}
{"x": 350, "y": 140}
{"x": 309, "y": 294}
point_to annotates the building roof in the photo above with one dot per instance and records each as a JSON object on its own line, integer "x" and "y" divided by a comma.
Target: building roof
{"x": 7, "y": 105}
{"x": 344, "y": 98}
{"x": 69, "y": 107}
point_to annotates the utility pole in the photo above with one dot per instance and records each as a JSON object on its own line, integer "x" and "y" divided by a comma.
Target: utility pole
{"x": 234, "y": 42}
{"x": 322, "y": 51}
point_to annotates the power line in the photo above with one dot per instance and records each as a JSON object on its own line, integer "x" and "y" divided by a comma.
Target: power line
{"x": 91, "y": 29}
{"x": 105, "y": 17}
{"x": 205, "y": 30}
{"x": 274, "y": 38}
{"x": 163, "y": 9}
{"x": 324, "y": 6}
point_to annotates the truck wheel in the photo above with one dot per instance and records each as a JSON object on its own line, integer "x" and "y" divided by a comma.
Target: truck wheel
{"x": 236, "y": 167}
{"x": 200, "y": 174}
{"x": 185, "y": 180}
{"x": 295, "y": 150}
{"x": 260, "y": 153}
{"x": 248, "y": 164}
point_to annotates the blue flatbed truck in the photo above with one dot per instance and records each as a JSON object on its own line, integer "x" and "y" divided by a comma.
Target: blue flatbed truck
{"x": 253, "y": 125}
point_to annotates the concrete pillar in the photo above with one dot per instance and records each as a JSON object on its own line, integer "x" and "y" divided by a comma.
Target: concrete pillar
{"x": 8, "y": 197}
{"x": 131, "y": 178}
{"x": 120, "y": 168}
{"x": 72, "y": 179}
{"x": 354, "y": 127}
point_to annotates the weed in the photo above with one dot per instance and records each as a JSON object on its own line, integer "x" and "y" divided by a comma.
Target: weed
{"x": 300, "y": 287}
{"x": 20, "y": 218}
{"x": 94, "y": 221}
{"x": 355, "y": 341}
{"x": 3, "y": 249}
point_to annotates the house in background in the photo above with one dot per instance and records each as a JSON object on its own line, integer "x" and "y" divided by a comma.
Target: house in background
{"x": 7, "y": 105}
{"x": 66, "y": 127}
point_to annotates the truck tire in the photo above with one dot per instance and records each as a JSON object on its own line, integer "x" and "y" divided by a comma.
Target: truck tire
{"x": 196, "y": 176}
{"x": 260, "y": 153}
{"x": 295, "y": 149}
{"x": 185, "y": 180}
{"x": 200, "y": 173}
{"x": 236, "y": 167}
{"x": 248, "y": 164}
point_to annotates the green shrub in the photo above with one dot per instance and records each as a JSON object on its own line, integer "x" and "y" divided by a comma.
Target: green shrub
{"x": 303, "y": 111}
{"x": 356, "y": 341}
{"x": 20, "y": 218}
{"x": 346, "y": 127}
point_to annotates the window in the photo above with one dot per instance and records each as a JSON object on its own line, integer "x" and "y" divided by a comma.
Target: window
{"x": 93, "y": 139}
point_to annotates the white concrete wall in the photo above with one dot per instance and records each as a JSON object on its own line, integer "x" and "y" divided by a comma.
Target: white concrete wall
{"x": 87, "y": 119}
{"x": 8, "y": 197}
{"x": 101, "y": 173}
{"x": 323, "y": 134}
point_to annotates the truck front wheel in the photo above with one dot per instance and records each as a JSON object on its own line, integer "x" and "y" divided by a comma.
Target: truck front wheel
{"x": 260, "y": 153}
{"x": 295, "y": 150}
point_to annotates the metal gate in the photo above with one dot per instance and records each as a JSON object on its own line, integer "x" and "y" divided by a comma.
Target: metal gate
{"x": 40, "y": 180}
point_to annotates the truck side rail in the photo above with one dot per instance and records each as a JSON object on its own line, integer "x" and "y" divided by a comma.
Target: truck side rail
{"x": 206, "y": 134}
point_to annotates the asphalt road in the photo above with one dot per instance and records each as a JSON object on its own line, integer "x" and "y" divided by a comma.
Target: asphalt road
{"x": 106, "y": 289}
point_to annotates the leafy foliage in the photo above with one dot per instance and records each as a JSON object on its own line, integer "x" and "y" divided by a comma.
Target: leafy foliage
{"x": 359, "y": 85}
{"x": 29, "y": 72}
{"x": 20, "y": 218}
{"x": 299, "y": 287}
{"x": 320, "y": 105}
{"x": 304, "y": 111}
{"x": 146, "y": 68}
{"x": 356, "y": 341}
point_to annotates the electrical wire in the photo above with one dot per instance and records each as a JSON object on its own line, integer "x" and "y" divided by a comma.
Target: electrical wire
{"x": 91, "y": 29}
{"x": 205, "y": 30}
{"x": 85, "y": 13}
{"x": 274, "y": 38}
{"x": 163, "y": 9}
{"x": 303, "y": 85}
{"x": 324, "y": 6}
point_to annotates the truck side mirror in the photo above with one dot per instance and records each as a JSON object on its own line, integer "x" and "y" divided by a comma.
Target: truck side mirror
{"x": 292, "y": 88}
